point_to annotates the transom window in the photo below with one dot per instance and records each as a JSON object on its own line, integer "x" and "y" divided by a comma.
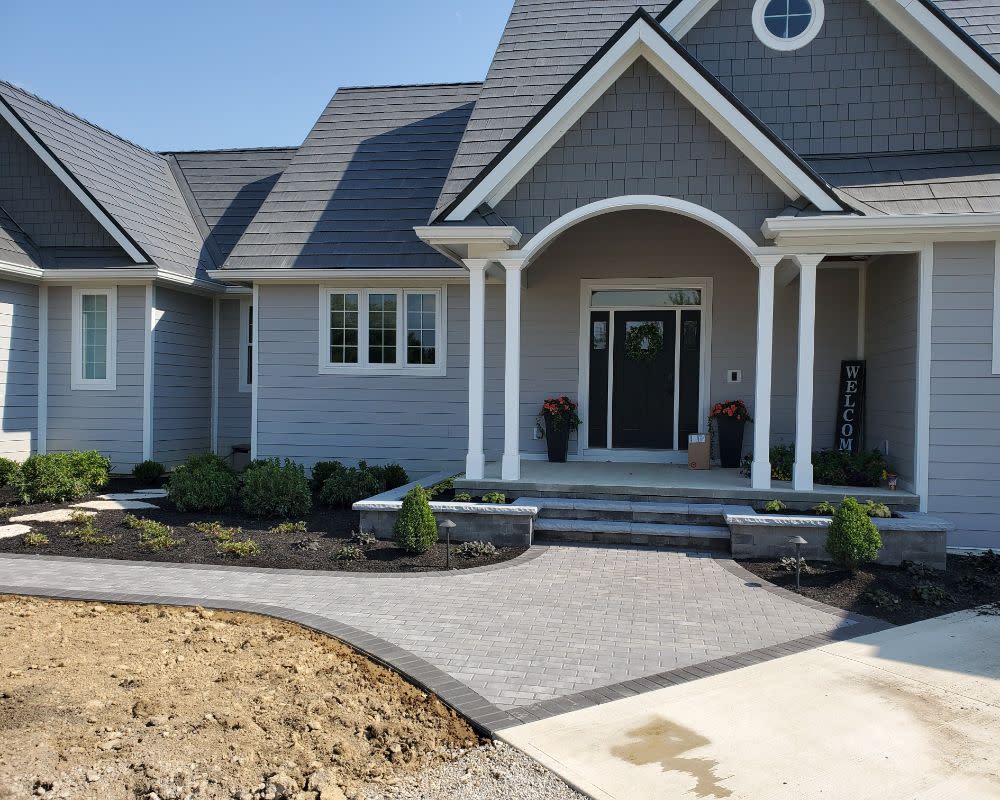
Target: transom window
{"x": 787, "y": 24}
{"x": 94, "y": 334}
{"x": 385, "y": 331}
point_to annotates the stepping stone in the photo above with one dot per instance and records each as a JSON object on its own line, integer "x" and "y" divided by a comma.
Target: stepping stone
{"x": 150, "y": 493}
{"x": 128, "y": 496}
{"x": 55, "y": 515}
{"x": 114, "y": 505}
{"x": 10, "y": 531}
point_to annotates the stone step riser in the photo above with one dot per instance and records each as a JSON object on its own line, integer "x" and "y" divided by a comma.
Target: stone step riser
{"x": 637, "y": 539}
{"x": 631, "y": 516}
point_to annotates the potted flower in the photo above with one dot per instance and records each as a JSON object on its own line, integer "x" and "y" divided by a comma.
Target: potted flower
{"x": 560, "y": 418}
{"x": 730, "y": 417}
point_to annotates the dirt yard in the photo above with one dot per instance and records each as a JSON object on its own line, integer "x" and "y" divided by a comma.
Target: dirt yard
{"x": 126, "y": 702}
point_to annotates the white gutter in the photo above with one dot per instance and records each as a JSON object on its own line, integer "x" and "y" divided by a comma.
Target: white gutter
{"x": 788, "y": 231}
{"x": 293, "y": 275}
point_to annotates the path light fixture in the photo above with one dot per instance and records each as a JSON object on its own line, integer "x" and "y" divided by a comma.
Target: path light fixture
{"x": 446, "y": 525}
{"x": 798, "y": 541}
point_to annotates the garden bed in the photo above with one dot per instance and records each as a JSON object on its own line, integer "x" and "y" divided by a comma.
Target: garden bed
{"x": 896, "y": 594}
{"x": 327, "y": 532}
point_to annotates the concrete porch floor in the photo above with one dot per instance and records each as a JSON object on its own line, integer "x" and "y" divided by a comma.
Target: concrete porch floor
{"x": 644, "y": 480}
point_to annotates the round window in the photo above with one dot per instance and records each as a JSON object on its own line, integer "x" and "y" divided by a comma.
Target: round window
{"x": 787, "y": 24}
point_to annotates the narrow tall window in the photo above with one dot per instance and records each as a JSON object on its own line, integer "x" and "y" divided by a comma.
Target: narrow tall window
{"x": 246, "y": 346}
{"x": 344, "y": 328}
{"x": 93, "y": 361}
{"x": 382, "y": 326}
{"x": 421, "y": 328}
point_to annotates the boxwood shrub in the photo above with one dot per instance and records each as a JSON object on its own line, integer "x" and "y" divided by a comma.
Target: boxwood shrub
{"x": 271, "y": 488}
{"x": 56, "y": 477}
{"x": 9, "y": 472}
{"x": 322, "y": 471}
{"x": 345, "y": 488}
{"x": 391, "y": 476}
{"x": 830, "y": 467}
{"x": 415, "y": 530}
{"x": 852, "y": 539}
{"x": 148, "y": 473}
{"x": 202, "y": 483}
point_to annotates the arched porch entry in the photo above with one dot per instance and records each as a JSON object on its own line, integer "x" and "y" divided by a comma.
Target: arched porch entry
{"x": 597, "y": 272}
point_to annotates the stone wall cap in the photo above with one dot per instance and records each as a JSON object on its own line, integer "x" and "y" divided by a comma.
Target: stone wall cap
{"x": 490, "y": 509}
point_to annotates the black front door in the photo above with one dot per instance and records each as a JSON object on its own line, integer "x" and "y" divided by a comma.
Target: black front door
{"x": 643, "y": 392}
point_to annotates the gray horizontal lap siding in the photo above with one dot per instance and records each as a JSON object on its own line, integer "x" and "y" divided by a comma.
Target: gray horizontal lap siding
{"x": 182, "y": 376}
{"x": 18, "y": 369}
{"x": 234, "y": 405}
{"x": 643, "y": 137}
{"x": 108, "y": 421}
{"x": 418, "y": 421}
{"x": 858, "y": 87}
{"x": 965, "y": 395}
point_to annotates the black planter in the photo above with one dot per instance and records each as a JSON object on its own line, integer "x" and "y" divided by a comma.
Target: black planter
{"x": 557, "y": 441}
{"x": 730, "y": 440}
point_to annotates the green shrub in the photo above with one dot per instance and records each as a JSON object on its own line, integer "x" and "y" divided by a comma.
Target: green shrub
{"x": 415, "y": 530}
{"x": 344, "y": 489}
{"x": 148, "y": 473}
{"x": 853, "y": 538}
{"x": 774, "y": 506}
{"x": 9, "y": 472}
{"x": 826, "y": 508}
{"x": 350, "y": 552}
{"x": 244, "y": 549}
{"x": 290, "y": 527}
{"x": 322, "y": 471}
{"x": 202, "y": 483}
{"x": 391, "y": 476}
{"x": 57, "y": 477}
{"x": 80, "y": 517}
{"x": 153, "y": 535}
{"x": 880, "y": 510}
{"x": 932, "y": 594}
{"x": 216, "y": 531}
{"x": 272, "y": 489}
{"x": 472, "y": 550}
{"x": 440, "y": 488}
{"x": 498, "y": 498}
{"x": 463, "y": 497}
{"x": 830, "y": 467}
{"x": 35, "y": 539}
{"x": 363, "y": 539}
{"x": 87, "y": 533}
{"x": 7, "y": 511}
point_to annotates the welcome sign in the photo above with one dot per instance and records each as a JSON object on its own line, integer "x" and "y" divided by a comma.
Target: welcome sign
{"x": 850, "y": 433}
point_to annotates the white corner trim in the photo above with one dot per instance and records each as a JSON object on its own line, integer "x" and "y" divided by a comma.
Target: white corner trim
{"x": 214, "y": 422}
{"x": 245, "y": 365}
{"x": 42, "y": 425}
{"x": 550, "y": 232}
{"x": 147, "y": 373}
{"x": 255, "y": 388}
{"x": 72, "y": 184}
{"x": 996, "y": 307}
{"x": 641, "y": 40}
{"x": 77, "y": 381}
{"x": 925, "y": 308}
{"x": 862, "y": 308}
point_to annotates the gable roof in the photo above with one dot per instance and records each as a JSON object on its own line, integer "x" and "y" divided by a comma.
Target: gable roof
{"x": 642, "y": 37}
{"x": 979, "y": 19}
{"x": 545, "y": 43}
{"x": 227, "y": 188}
{"x": 16, "y": 246}
{"x": 370, "y": 170}
{"x": 119, "y": 181}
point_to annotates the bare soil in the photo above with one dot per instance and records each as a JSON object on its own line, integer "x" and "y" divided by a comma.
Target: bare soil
{"x": 123, "y": 702}
{"x": 899, "y": 595}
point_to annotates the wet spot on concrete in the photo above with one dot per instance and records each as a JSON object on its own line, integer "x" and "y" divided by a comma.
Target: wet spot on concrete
{"x": 664, "y": 742}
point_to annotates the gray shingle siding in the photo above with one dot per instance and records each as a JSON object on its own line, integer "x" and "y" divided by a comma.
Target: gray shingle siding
{"x": 642, "y": 137}
{"x": 108, "y": 421}
{"x": 369, "y": 171}
{"x": 858, "y": 87}
{"x": 182, "y": 375}
{"x": 18, "y": 369}
{"x": 234, "y": 405}
{"x": 965, "y": 395}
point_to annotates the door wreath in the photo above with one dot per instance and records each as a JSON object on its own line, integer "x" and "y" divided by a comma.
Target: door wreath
{"x": 644, "y": 342}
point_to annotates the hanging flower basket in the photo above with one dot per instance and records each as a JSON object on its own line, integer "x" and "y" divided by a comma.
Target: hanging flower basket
{"x": 644, "y": 342}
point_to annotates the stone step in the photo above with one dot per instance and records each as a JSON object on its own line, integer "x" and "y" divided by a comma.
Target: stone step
{"x": 659, "y": 534}
{"x": 628, "y": 511}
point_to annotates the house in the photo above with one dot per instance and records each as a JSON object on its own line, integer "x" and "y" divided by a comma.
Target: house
{"x": 776, "y": 186}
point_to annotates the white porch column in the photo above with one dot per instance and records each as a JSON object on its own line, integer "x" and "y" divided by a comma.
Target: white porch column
{"x": 475, "y": 458}
{"x": 511, "y": 465}
{"x": 802, "y": 472}
{"x": 760, "y": 473}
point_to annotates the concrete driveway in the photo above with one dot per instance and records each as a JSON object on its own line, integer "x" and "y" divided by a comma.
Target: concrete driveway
{"x": 910, "y": 712}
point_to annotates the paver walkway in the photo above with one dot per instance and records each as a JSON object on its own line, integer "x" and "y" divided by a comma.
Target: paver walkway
{"x": 529, "y": 636}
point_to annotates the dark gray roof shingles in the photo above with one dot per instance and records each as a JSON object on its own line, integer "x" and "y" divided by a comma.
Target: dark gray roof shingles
{"x": 134, "y": 185}
{"x": 369, "y": 171}
{"x": 978, "y": 18}
{"x": 16, "y": 246}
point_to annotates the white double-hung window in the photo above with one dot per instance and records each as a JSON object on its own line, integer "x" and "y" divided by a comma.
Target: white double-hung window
{"x": 382, "y": 331}
{"x": 94, "y": 338}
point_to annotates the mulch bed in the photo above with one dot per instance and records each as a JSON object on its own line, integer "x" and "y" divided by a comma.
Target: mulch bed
{"x": 328, "y": 531}
{"x": 896, "y": 594}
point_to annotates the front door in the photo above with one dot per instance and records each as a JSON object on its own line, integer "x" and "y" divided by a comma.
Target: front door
{"x": 644, "y": 364}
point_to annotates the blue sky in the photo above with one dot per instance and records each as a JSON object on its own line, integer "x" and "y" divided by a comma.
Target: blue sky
{"x": 189, "y": 74}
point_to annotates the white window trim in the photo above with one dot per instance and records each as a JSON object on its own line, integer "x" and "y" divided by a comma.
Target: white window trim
{"x": 326, "y": 367}
{"x": 245, "y": 305}
{"x": 768, "y": 39}
{"x": 78, "y": 382}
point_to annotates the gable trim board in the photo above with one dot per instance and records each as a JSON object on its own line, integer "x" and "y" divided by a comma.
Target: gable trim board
{"x": 928, "y": 28}
{"x": 641, "y": 36}
{"x": 78, "y": 190}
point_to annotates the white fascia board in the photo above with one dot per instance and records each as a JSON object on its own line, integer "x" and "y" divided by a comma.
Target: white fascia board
{"x": 129, "y": 275}
{"x": 507, "y": 235}
{"x": 20, "y": 271}
{"x": 72, "y": 184}
{"x": 642, "y": 40}
{"x": 320, "y": 275}
{"x": 685, "y": 16}
{"x": 859, "y": 231}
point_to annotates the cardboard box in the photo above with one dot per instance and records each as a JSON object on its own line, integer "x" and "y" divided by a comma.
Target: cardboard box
{"x": 700, "y": 451}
